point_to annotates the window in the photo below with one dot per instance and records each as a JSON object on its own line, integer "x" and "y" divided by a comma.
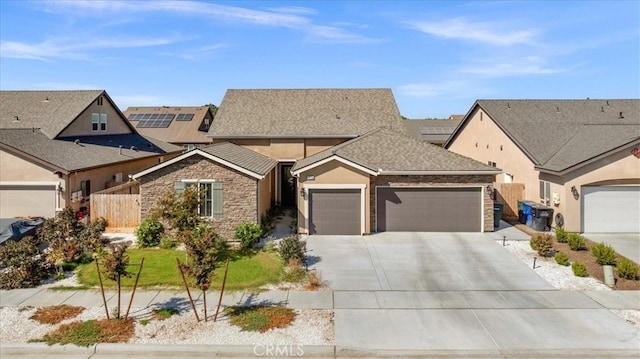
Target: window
{"x": 211, "y": 203}
{"x": 85, "y": 187}
{"x": 118, "y": 177}
{"x": 103, "y": 122}
{"x": 99, "y": 121}
{"x": 545, "y": 192}
{"x": 492, "y": 164}
{"x": 100, "y": 101}
{"x": 95, "y": 121}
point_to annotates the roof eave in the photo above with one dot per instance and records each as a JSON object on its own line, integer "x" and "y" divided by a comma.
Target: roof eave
{"x": 439, "y": 173}
{"x": 226, "y": 137}
{"x": 334, "y": 157}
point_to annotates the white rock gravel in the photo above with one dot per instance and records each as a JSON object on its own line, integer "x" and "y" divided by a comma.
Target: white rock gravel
{"x": 562, "y": 277}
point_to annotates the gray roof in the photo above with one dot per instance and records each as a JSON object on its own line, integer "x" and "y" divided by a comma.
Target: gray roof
{"x": 50, "y": 111}
{"x": 385, "y": 150}
{"x": 304, "y": 113}
{"x": 432, "y": 131}
{"x": 560, "y": 134}
{"x": 242, "y": 157}
{"x": 88, "y": 152}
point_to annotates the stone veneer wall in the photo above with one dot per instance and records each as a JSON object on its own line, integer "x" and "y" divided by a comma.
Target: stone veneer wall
{"x": 440, "y": 181}
{"x": 239, "y": 191}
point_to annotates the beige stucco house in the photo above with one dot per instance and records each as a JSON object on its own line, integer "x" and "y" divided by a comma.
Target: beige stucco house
{"x": 185, "y": 126}
{"x": 58, "y": 147}
{"x": 580, "y": 157}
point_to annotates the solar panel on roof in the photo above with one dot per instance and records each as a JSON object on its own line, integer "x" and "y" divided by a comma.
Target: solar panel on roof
{"x": 184, "y": 117}
{"x": 132, "y": 117}
{"x": 436, "y": 130}
{"x": 155, "y": 123}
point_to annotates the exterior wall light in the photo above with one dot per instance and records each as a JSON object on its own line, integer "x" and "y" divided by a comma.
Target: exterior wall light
{"x": 575, "y": 193}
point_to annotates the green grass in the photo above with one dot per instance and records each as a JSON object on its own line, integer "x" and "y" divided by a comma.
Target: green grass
{"x": 160, "y": 270}
{"x": 90, "y": 332}
{"x": 260, "y": 318}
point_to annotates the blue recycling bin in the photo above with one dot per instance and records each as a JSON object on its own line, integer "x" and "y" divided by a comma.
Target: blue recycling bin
{"x": 528, "y": 215}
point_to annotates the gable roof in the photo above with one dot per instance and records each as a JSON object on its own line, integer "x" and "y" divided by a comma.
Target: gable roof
{"x": 304, "y": 113}
{"x": 80, "y": 152}
{"x": 49, "y": 111}
{"x": 385, "y": 151}
{"x": 228, "y": 154}
{"x": 559, "y": 135}
{"x": 179, "y": 130}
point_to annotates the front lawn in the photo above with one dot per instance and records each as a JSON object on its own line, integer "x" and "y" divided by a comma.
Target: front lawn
{"x": 161, "y": 270}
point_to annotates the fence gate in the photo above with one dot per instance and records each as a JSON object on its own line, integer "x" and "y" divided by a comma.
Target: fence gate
{"x": 120, "y": 206}
{"x": 509, "y": 194}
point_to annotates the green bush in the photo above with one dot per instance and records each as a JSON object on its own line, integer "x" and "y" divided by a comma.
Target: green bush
{"x": 248, "y": 234}
{"x": 543, "y": 244}
{"x": 562, "y": 259}
{"x": 24, "y": 265}
{"x": 167, "y": 242}
{"x": 579, "y": 269}
{"x": 576, "y": 242}
{"x": 294, "y": 274}
{"x": 292, "y": 248}
{"x": 605, "y": 254}
{"x": 533, "y": 244}
{"x": 149, "y": 232}
{"x": 627, "y": 269}
{"x": 561, "y": 235}
{"x": 222, "y": 249}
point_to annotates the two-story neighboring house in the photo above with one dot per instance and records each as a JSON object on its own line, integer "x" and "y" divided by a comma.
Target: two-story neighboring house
{"x": 340, "y": 157}
{"x": 185, "y": 126}
{"x": 58, "y": 147}
{"x": 580, "y": 157}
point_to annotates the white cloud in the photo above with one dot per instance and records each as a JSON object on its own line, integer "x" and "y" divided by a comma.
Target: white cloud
{"x": 447, "y": 88}
{"x": 531, "y": 65}
{"x": 488, "y": 33}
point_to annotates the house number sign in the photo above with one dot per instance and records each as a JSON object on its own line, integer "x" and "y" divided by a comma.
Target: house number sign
{"x": 636, "y": 152}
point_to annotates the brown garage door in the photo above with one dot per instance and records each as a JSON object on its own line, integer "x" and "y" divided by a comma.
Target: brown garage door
{"x": 334, "y": 211}
{"x": 429, "y": 209}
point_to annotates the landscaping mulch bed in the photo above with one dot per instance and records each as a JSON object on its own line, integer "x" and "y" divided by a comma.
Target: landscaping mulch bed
{"x": 593, "y": 268}
{"x": 56, "y": 314}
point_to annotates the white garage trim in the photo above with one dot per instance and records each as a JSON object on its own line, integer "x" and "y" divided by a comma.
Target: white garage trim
{"x": 361, "y": 187}
{"x": 482, "y": 194}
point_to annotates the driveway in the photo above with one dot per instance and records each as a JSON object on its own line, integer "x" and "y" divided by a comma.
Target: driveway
{"x": 457, "y": 294}
{"x": 627, "y": 244}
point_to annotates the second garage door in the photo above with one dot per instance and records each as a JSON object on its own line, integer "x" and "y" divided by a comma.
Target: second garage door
{"x": 611, "y": 209}
{"x": 334, "y": 211}
{"x": 429, "y": 209}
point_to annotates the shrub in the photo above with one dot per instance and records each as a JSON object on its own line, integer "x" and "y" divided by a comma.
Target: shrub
{"x": 561, "y": 235}
{"x": 248, "y": 234}
{"x": 543, "y": 244}
{"x": 576, "y": 242}
{"x": 627, "y": 269}
{"x": 579, "y": 269}
{"x": 222, "y": 249}
{"x": 314, "y": 280}
{"x": 167, "y": 242}
{"x": 148, "y": 233}
{"x": 292, "y": 248}
{"x": 533, "y": 244}
{"x": 25, "y": 264}
{"x": 562, "y": 259}
{"x": 605, "y": 254}
{"x": 293, "y": 274}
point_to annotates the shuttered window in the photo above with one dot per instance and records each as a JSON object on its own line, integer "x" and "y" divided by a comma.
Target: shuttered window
{"x": 211, "y": 203}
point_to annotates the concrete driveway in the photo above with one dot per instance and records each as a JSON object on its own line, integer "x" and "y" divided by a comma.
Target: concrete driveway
{"x": 627, "y": 244}
{"x": 457, "y": 295}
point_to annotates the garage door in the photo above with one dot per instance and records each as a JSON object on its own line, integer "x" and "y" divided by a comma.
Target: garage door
{"x": 429, "y": 209}
{"x": 610, "y": 209}
{"x": 334, "y": 211}
{"x": 27, "y": 201}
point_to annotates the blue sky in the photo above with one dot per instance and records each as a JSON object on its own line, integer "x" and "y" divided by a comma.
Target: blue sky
{"x": 438, "y": 57}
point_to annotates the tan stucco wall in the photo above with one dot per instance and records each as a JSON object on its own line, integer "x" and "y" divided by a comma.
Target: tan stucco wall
{"x": 286, "y": 149}
{"x": 620, "y": 168}
{"x": 13, "y": 168}
{"x": 265, "y": 194}
{"x": 482, "y": 140}
{"x": 333, "y": 173}
{"x": 82, "y": 126}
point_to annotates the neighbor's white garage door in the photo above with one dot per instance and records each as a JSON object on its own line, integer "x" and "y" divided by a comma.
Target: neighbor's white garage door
{"x": 27, "y": 200}
{"x": 610, "y": 209}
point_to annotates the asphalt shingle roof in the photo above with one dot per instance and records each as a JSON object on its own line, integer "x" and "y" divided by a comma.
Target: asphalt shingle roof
{"x": 50, "y": 111}
{"x": 305, "y": 113}
{"x": 88, "y": 152}
{"x": 178, "y": 131}
{"x": 242, "y": 157}
{"x": 560, "y": 134}
{"x": 389, "y": 151}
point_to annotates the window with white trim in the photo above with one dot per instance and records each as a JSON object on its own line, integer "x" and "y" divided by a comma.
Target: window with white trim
{"x": 545, "y": 192}
{"x": 211, "y": 202}
{"x": 99, "y": 121}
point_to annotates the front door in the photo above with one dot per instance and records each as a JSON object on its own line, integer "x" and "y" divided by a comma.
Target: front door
{"x": 287, "y": 187}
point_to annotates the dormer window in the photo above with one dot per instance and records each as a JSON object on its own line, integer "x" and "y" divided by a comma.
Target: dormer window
{"x": 100, "y": 101}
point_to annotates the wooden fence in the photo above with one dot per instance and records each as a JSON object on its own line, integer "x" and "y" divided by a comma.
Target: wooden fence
{"x": 509, "y": 194}
{"x": 119, "y": 205}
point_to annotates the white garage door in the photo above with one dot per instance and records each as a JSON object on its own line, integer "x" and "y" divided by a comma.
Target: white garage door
{"x": 27, "y": 200}
{"x": 611, "y": 209}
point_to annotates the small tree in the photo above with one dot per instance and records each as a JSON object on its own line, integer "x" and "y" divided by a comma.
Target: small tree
{"x": 181, "y": 210}
{"x": 292, "y": 248}
{"x": 115, "y": 265}
{"x": 202, "y": 253}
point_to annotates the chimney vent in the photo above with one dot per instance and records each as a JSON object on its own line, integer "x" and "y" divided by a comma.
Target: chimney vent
{"x": 620, "y": 116}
